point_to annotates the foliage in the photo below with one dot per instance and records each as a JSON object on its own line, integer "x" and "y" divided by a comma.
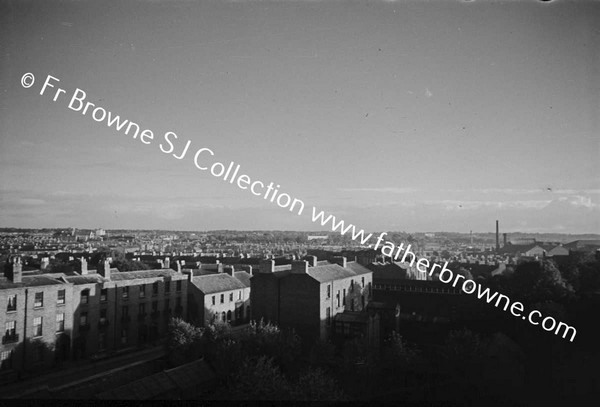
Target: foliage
{"x": 183, "y": 342}
{"x": 316, "y": 385}
{"x": 259, "y": 378}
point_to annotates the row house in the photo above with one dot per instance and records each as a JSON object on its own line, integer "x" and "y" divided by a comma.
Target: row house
{"x": 223, "y": 296}
{"x": 307, "y": 295}
{"x": 53, "y": 317}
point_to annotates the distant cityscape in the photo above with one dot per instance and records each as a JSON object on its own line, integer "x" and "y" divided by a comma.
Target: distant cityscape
{"x": 70, "y": 296}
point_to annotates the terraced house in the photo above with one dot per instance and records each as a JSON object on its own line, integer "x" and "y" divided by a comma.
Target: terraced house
{"x": 50, "y": 317}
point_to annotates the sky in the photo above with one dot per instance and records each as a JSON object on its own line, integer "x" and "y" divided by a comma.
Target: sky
{"x": 391, "y": 115}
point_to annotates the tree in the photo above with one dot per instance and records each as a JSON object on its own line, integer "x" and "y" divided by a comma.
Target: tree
{"x": 183, "y": 342}
{"x": 536, "y": 281}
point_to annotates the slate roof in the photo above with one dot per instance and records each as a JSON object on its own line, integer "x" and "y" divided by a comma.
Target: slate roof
{"x": 214, "y": 283}
{"x": 31, "y": 281}
{"x": 357, "y": 268}
{"x": 244, "y": 277}
{"x": 141, "y": 274}
{"x": 86, "y": 279}
{"x": 329, "y": 273}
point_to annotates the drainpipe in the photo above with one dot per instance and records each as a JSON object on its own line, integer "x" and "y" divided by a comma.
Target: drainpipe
{"x": 25, "y": 331}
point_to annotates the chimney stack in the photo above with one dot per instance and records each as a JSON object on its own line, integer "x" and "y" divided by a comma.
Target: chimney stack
{"x": 178, "y": 266}
{"x": 300, "y": 267}
{"x": 104, "y": 269}
{"x": 341, "y": 260}
{"x": 267, "y": 266}
{"x": 312, "y": 260}
{"x": 497, "y": 236}
{"x": 84, "y": 268}
{"x": 247, "y": 269}
{"x": 17, "y": 271}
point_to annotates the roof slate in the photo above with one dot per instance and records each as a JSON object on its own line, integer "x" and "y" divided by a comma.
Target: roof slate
{"x": 215, "y": 283}
{"x": 244, "y": 277}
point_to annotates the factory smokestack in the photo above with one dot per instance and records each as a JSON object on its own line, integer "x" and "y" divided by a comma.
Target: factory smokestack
{"x": 497, "y": 236}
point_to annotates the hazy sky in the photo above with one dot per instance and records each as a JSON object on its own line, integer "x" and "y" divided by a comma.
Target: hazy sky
{"x": 393, "y": 115}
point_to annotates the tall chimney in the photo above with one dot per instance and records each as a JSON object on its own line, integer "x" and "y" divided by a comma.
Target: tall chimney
{"x": 17, "y": 271}
{"x": 497, "y": 236}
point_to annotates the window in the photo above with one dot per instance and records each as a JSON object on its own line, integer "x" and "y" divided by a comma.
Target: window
{"x": 124, "y": 336}
{"x": 178, "y": 286}
{"x": 344, "y": 297}
{"x": 37, "y": 326}
{"x": 10, "y": 334}
{"x": 214, "y": 299}
{"x": 328, "y": 316}
{"x": 83, "y": 319}
{"x": 142, "y": 309}
{"x": 363, "y": 282}
{"x": 5, "y": 359}
{"x": 337, "y": 298}
{"x": 167, "y": 287}
{"x": 228, "y": 316}
{"x": 103, "y": 319}
{"x": 104, "y": 295}
{"x": 85, "y": 296}
{"x": 223, "y": 316}
{"x": 12, "y": 303}
{"x": 155, "y": 307}
{"x": 142, "y": 291}
{"x": 351, "y": 285}
{"x": 230, "y": 297}
{"x": 328, "y": 291}
{"x": 125, "y": 311}
{"x": 240, "y": 295}
{"x": 60, "y": 322}
{"x": 39, "y": 300}
{"x": 222, "y": 298}
{"x": 61, "y": 297}
{"x": 125, "y": 292}
{"x": 155, "y": 288}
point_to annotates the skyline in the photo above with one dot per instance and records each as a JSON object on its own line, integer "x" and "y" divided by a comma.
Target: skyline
{"x": 390, "y": 115}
